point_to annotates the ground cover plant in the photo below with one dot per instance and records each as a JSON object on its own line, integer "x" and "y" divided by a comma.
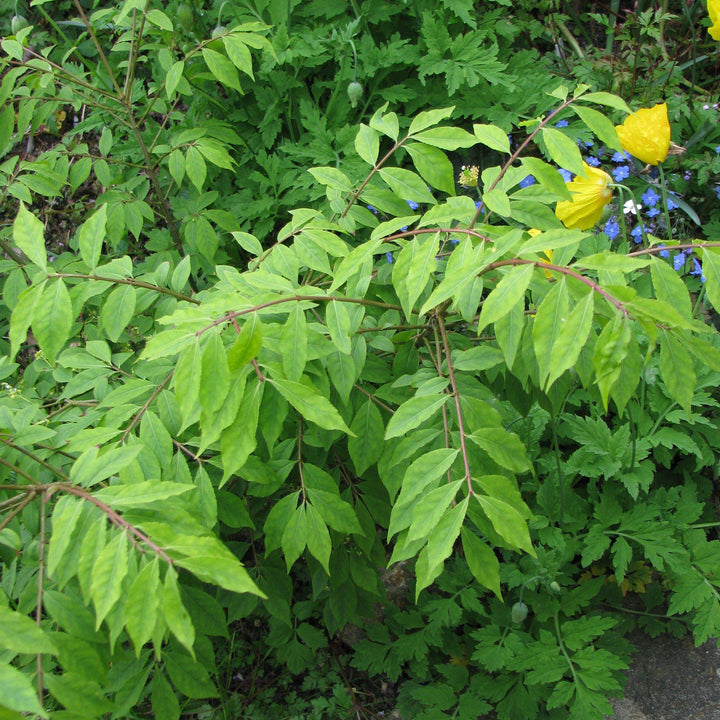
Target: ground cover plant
{"x": 415, "y": 409}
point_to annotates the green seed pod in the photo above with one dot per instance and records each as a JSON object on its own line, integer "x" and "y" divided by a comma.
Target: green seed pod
{"x": 555, "y": 587}
{"x": 519, "y": 612}
{"x": 18, "y": 23}
{"x": 355, "y": 92}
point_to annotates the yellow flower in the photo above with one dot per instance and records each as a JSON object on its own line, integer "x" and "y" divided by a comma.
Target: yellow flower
{"x": 589, "y": 196}
{"x": 714, "y": 12}
{"x": 646, "y": 134}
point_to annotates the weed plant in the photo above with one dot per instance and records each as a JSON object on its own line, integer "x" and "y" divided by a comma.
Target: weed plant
{"x": 379, "y": 375}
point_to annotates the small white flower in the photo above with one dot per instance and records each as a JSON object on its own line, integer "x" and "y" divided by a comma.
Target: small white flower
{"x": 630, "y": 207}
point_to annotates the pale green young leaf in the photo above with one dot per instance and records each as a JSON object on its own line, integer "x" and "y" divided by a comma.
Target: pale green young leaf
{"x": 195, "y": 167}
{"x": 238, "y": 439}
{"x": 173, "y": 77}
{"x": 504, "y": 447}
{"x": 412, "y": 413}
{"x": 510, "y": 291}
{"x": 433, "y": 166}
{"x": 563, "y": 150}
{"x": 293, "y": 345}
{"x": 611, "y": 348}
{"x": 248, "y": 343}
{"x": 493, "y": 137}
{"x": 571, "y": 339}
{"x": 19, "y": 634}
{"x": 355, "y": 259}
{"x": 605, "y": 98}
{"x": 93, "y": 465}
{"x": 482, "y": 561}
{"x": 222, "y": 69}
{"x": 215, "y": 374}
{"x": 175, "y": 614}
{"x": 142, "y": 603}
{"x": 600, "y": 124}
{"x": 311, "y": 404}
{"x": 187, "y": 380}
{"x": 366, "y": 446}
{"x": 341, "y": 371}
{"x": 149, "y": 493}
{"x": 407, "y": 185}
{"x": 295, "y": 536}
{"x": 248, "y": 242}
{"x": 318, "y": 537}
{"x": 22, "y": 316}
{"x": 677, "y": 370}
{"x": 508, "y": 330}
{"x": 53, "y": 319}
{"x": 338, "y": 323}
{"x": 711, "y": 271}
{"x": 413, "y": 269}
{"x": 239, "y": 54}
{"x": 28, "y": 235}
{"x": 612, "y": 261}
{"x": 670, "y": 288}
{"x": 332, "y": 178}
{"x": 18, "y": 694}
{"x": 548, "y": 176}
{"x": 550, "y": 318}
{"x": 507, "y": 522}
{"x": 386, "y": 123}
{"x": 214, "y": 423}
{"x": 90, "y": 549}
{"x": 66, "y": 513}
{"x": 367, "y": 144}
{"x": 91, "y": 236}
{"x": 428, "y": 508}
{"x": 176, "y": 166}
{"x": 108, "y": 573}
{"x": 447, "y": 138}
{"x": 428, "y": 118}
{"x": 118, "y": 310}
{"x": 215, "y": 152}
{"x": 551, "y": 240}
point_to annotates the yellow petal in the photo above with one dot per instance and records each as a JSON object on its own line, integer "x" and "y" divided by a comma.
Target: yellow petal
{"x": 645, "y": 134}
{"x": 714, "y": 12}
{"x": 590, "y": 195}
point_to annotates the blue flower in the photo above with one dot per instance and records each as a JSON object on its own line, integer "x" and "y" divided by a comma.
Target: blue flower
{"x": 612, "y": 229}
{"x": 652, "y": 212}
{"x": 592, "y": 161}
{"x": 679, "y": 261}
{"x": 413, "y": 205}
{"x": 454, "y": 241}
{"x": 717, "y": 150}
{"x": 403, "y": 228}
{"x": 717, "y": 190}
{"x": 697, "y": 269}
{"x": 619, "y": 157}
{"x": 589, "y": 143}
{"x": 564, "y": 123}
{"x": 389, "y": 256}
{"x": 478, "y": 203}
{"x": 621, "y": 172}
{"x": 671, "y": 204}
{"x": 527, "y": 181}
{"x": 663, "y": 253}
{"x": 650, "y": 197}
{"x": 566, "y": 174}
{"x": 372, "y": 209}
{"x": 636, "y": 233}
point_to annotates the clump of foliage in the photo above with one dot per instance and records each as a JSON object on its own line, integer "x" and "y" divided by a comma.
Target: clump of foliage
{"x": 217, "y": 430}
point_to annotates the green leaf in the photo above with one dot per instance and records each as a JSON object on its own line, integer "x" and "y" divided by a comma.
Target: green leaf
{"x": 318, "y": 537}
{"x": 334, "y": 511}
{"x": 311, "y": 404}
{"x": 352, "y": 261}
{"x": 53, "y": 320}
{"x": 407, "y": 185}
{"x": 507, "y": 522}
{"x": 222, "y": 69}
{"x": 548, "y": 176}
{"x": 677, "y": 370}
{"x": 239, "y": 54}
{"x": 19, "y": 634}
{"x": 295, "y": 536}
{"x": 412, "y": 413}
{"x": 497, "y": 201}
{"x": 238, "y": 440}
{"x": 332, "y": 178}
{"x": 611, "y": 348}
{"x": 571, "y": 339}
{"x": 175, "y": 614}
{"x": 165, "y": 705}
{"x": 195, "y": 168}
{"x": 549, "y": 321}
{"x": 601, "y": 125}
{"x": 433, "y": 166}
{"x": 337, "y": 320}
{"x": 482, "y": 561}
{"x": 188, "y": 676}
{"x": 367, "y": 445}
{"x": 216, "y": 153}
{"x": 141, "y": 604}
{"x": 509, "y": 292}
{"x": 28, "y": 236}
{"x": 187, "y": 380}
{"x": 508, "y": 330}
{"x": 91, "y": 236}
{"x": 215, "y": 374}
{"x": 293, "y": 343}
{"x": 504, "y": 447}
{"x": 22, "y": 316}
{"x": 711, "y": 271}
{"x": 670, "y": 288}
{"x": 176, "y": 166}
{"x": 447, "y": 138}
{"x": 108, "y": 573}
{"x": 173, "y": 78}
{"x": 367, "y": 144}
{"x": 428, "y": 118}
{"x": 386, "y": 123}
{"x": 66, "y": 514}
{"x": 414, "y": 267}
{"x": 428, "y": 508}
{"x": 604, "y": 98}
{"x": 117, "y": 311}
{"x": 247, "y": 345}
{"x": 563, "y": 150}
{"x": 494, "y": 137}
{"x": 141, "y": 494}
{"x": 93, "y": 466}
{"x": 17, "y": 691}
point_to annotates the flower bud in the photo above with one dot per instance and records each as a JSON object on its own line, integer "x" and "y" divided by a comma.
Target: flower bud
{"x": 555, "y": 587}
{"x": 219, "y": 30}
{"x": 18, "y": 23}
{"x": 519, "y": 612}
{"x": 355, "y": 92}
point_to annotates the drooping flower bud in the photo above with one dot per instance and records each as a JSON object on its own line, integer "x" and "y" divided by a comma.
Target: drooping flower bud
{"x": 355, "y": 92}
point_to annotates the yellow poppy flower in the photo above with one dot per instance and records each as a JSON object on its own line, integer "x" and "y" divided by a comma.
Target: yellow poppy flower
{"x": 645, "y": 134}
{"x": 589, "y": 196}
{"x": 714, "y": 12}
